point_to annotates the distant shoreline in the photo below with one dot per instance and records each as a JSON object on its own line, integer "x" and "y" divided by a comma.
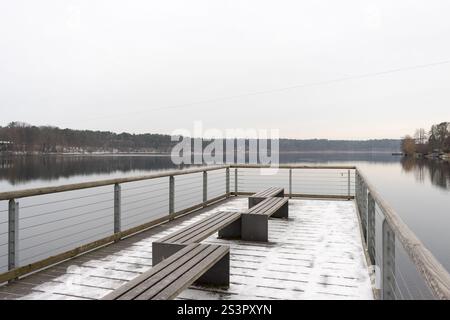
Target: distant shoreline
{"x": 166, "y": 154}
{"x": 156, "y": 154}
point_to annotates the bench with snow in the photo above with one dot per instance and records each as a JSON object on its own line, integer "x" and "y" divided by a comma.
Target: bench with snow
{"x": 195, "y": 263}
{"x": 228, "y": 224}
{"x": 255, "y": 221}
{"x": 264, "y": 194}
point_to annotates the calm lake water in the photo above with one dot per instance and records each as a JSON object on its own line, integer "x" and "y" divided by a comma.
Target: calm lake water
{"x": 418, "y": 189}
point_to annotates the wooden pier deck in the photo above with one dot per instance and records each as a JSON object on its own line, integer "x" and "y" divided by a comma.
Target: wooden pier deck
{"x": 316, "y": 254}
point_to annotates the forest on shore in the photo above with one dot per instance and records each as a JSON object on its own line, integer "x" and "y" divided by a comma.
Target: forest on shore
{"x": 25, "y": 138}
{"x": 423, "y": 142}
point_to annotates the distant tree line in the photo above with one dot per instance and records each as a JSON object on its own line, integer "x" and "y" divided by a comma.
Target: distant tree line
{"x": 436, "y": 140}
{"x": 49, "y": 139}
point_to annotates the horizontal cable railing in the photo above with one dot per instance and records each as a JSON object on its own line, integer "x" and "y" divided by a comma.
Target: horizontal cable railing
{"x": 298, "y": 181}
{"x": 407, "y": 269}
{"x": 57, "y": 223}
{"x": 42, "y": 226}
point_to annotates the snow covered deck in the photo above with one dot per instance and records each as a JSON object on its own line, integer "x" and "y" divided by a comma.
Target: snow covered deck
{"x": 316, "y": 254}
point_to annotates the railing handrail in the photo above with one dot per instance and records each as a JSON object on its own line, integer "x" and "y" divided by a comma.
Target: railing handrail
{"x": 291, "y": 166}
{"x": 435, "y": 275}
{"x": 101, "y": 183}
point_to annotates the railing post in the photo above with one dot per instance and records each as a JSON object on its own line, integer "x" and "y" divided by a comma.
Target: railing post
{"x": 13, "y": 234}
{"x": 235, "y": 181}
{"x": 227, "y": 181}
{"x": 361, "y": 202}
{"x": 360, "y": 193}
{"x": 171, "y": 196}
{"x": 290, "y": 183}
{"x": 117, "y": 208}
{"x": 366, "y": 212}
{"x": 348, "y": 184}
{"x": 205, "y": 187}
{"x": 371, "y": 227}
{"x": 388, "y": 270}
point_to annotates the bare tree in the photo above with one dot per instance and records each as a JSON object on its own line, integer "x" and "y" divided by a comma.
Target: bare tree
{"x": 408, "y": 145}
{"x": 420, "y": 136}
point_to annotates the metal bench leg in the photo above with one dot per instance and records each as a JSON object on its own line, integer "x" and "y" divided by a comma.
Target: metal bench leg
{"x": 283, "y": 212}
{"x": 217, "y": 275}
{"x": 232, "y": 231}
{"x": 163, "y": 250}
{"x": 255, "y": 227}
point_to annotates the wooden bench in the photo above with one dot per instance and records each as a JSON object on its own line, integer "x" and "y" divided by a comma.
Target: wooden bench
{"x": 255, "y": 221}
{"x": 264, "y": 194}
{"x": 228, "y": 224}
{"x": 199, "y": 263}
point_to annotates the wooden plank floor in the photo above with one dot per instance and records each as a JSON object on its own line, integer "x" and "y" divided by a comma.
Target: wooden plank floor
{"x": 316, "y": 254}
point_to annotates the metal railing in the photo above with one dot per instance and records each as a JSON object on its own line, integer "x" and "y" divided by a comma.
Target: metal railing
{"x": 334, "y": 182}
{"x": 53, "y": 224}
{"x": 408, "y": 270}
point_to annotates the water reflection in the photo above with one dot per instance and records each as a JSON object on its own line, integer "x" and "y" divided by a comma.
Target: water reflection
{"x": 437, "y": 172}
{"x": 19, "y": 169}
{"x": 345, "y": 157}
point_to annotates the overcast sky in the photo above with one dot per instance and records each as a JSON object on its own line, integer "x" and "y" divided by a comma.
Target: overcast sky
{"x": 157, "y": 66}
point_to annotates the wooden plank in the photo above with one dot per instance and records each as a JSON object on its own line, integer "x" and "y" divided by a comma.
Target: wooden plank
{"x": 162, "y": 284}
{"x": 274, "y": 208}
{"x": 196, "y": 228}
{"x": 152, "y": 286}
{"x": 263, "y": 206}
{"x": 178, "y": 237}
{"x": 269, "y": 192}
{"x": 260, "y": 193}
{"x": 39, "y": 278}
{"x": 192, "y": 228}
{"x": 206, "y": 231}
{"x": 164, "y": 267}
{"x": 9, "y": 296}
{"x": 18, "y": 288}
{"x": 184, "y": 277}
{"x": 201, "y": 236}
{"x": 268, "y": 206}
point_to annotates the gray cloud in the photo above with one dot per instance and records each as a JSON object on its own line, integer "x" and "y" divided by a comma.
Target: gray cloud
{"x": 119, "y": 65}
